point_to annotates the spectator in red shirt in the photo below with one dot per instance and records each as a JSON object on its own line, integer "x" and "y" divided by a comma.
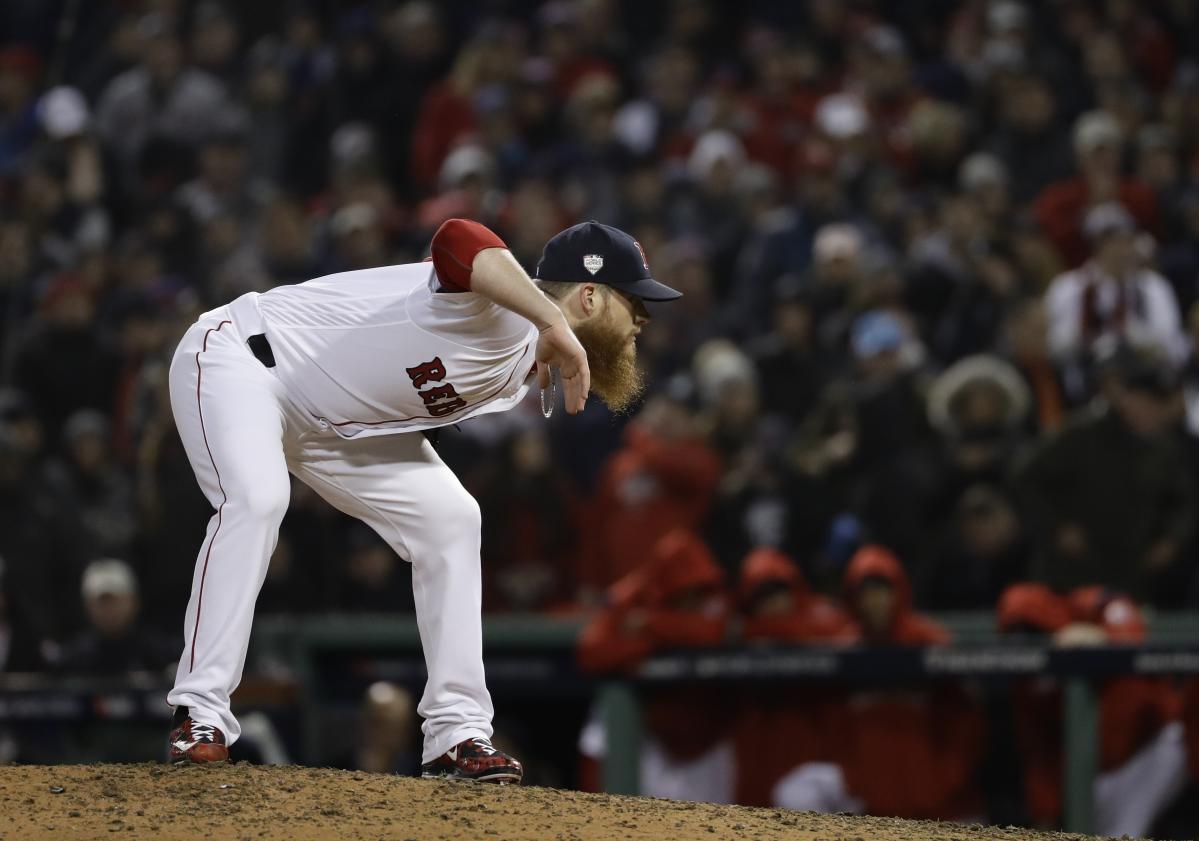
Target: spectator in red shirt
{"x": 664, "y": 478}
{"x": 447, "y": 114}
{"x": 677, "y": 599}
{"x": 1141, "y": 754}
{"x": 1060, "y": 208}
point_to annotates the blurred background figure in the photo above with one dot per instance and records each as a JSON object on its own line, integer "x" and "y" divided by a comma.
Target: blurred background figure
{"x": 1061, "y": 207}
{"x": 114, "y": 643}
{"x": 662, "y": 479}
{"x": 1113, "y": 298}
{"x": 678, "y": 599}
{"x": 1141, "y": 740}
{"x": 1106, "y": 499}
{"x": 935, "y": 737}
{"x": 386, "y": 731}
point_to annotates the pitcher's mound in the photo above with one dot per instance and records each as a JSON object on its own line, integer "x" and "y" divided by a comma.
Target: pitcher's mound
{"x": 61, "y": 803}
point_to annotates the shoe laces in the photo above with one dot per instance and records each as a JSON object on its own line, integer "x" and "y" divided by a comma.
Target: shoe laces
{"x": 202, "y": 732}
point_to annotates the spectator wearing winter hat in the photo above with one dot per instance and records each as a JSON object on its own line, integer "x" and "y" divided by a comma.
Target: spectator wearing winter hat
{"x": 1061, "y": 208}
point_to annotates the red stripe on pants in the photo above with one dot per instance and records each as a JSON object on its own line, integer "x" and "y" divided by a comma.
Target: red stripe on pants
{"x": 224, "y": 496}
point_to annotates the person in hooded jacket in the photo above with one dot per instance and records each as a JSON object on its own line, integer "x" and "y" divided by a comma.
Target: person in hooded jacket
{"x": 676, "y": 600}
{"x": 1141, "y": 753}
{"x": 664, "y": 478}
{"x": 902, "y": 752}
{"x": 778, "y": 608}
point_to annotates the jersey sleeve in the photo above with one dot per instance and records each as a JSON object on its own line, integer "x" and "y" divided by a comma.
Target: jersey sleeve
{"x": 453, "y": 251}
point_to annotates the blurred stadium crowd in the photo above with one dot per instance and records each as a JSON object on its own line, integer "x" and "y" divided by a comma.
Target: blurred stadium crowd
{"x": 940, "y": 264}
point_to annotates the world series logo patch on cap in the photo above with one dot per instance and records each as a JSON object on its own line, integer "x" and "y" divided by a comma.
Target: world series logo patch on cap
{"x": 593, "y": 262}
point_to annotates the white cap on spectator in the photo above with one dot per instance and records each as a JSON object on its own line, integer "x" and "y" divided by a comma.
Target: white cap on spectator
{"x": 353, "y": 217}
{"x": 999, "y": 54}
{"x": 836, "y": 241}
{"x": 717, "y": 364}
{"x": 714, "y": 147}
{"x": 352, "y": 142}
{"x": 1005, "y": 16}
{"x": 1094, "y": 129}
{"x": 1107, "y": 218}
{"x": 464, "y": 162}
{"x": 885, "y": 41}
{"x": 108, "y": 577}
{"x": 63, "y": 112}
{"x": 981, "y": 169}
{"x": 842, "y": 116}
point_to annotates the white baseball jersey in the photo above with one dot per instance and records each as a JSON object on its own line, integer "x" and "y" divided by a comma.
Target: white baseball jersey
{"x": 380, "y": 351}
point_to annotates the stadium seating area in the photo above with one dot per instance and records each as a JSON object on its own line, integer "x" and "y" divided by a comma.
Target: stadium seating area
{"x": 940, "y": 264}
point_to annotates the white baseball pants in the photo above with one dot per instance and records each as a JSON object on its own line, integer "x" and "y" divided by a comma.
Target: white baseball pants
{"x": 243, "y": 435}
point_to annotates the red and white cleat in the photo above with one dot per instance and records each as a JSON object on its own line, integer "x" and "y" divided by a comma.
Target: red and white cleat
{"x": 191, "y": 741}
{"x": 474, "y": 759}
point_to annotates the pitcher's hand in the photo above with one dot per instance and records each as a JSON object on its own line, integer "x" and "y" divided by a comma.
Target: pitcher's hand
{"x": 558, "y": 347}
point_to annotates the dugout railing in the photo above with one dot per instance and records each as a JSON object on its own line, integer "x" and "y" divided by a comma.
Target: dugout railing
{"x": 534, "y": 655}
{"x": 540, "y": 649}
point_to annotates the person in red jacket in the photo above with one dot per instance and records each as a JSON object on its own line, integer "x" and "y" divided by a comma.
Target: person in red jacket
{"x": 1141, "y": 756}
{"x": 664, "y": 478}
{"x": 1190, "y": 719}
{"x": 910, "y": 753}
{"x": 677, "y": 600}
{"x": 777, "y": 607}
{"x": 880, "y": 599}
{"x": 1060, "y": 208}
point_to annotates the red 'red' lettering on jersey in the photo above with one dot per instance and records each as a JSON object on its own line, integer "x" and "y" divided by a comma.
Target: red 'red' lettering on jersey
{"x": 442, "y": 400}
{"x": 431, "y": 371}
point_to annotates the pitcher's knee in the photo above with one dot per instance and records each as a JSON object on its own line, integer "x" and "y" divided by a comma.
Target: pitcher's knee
{"x": 264, "y": 501}
{"x": 457, "y": 520}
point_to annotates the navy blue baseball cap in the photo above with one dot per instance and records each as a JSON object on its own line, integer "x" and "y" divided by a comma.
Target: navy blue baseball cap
{"x": 593, "y": 253}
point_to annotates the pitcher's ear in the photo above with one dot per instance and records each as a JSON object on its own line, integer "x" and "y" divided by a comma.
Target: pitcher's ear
{"x": 589, "y": 298}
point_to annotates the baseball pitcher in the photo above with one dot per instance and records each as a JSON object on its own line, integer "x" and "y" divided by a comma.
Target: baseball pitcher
{"x": 333, "y": 381}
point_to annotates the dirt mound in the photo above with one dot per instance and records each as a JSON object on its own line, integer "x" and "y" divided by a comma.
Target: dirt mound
{"x": 267, "y": 803}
